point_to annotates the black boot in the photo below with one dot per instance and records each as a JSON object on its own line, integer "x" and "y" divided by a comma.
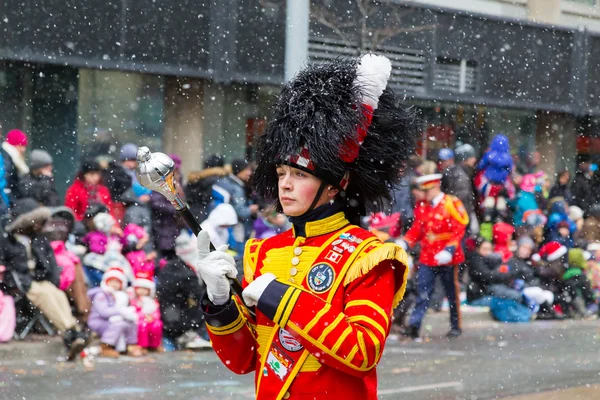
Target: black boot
{"x": 453, "y": 333}
{"x": 411, "y": 332}
{"x": 74, "y": 341}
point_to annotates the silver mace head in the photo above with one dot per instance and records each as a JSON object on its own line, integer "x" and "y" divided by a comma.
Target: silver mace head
{"x": 155, "y": 171}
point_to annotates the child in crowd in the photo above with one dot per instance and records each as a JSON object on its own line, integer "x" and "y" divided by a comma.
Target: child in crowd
{"x": 134, "y": 239}
{"x": 150, "y": 325}
{"x": 112, "y": 318}
{"x": 527, "y": 282}
{"x": 103, "y": 243}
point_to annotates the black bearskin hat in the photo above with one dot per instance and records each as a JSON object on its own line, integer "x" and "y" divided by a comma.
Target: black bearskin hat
{"x": 340, "y": 122}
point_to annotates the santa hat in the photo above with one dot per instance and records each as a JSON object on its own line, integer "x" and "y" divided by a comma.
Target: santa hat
{"x": 551, "y": 251}
{"x": 341, "y": 123}
{"x": 114, "y": 273}
{"x": 428, "y": 181}
{"x": 145, "y": 280}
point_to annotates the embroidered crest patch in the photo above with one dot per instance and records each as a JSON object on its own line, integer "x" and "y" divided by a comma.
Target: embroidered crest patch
{"x": 320, "y": 277}
{"x": 288, "y": 341}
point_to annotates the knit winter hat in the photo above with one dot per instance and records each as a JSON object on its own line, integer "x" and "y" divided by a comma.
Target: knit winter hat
{"x": 575, "y": 213}
{"x": 238, "y": 166}
{"x": 577, "y": 259}
{"x": 90, "y": 165}
{"x": 551, "y": 251}
{"x": 128, "y": 152}
{"x": 445, "y": 154}
{"x": 145, "y": 280}
{"x": 104, "y": 222}
{"x": 39, "y": 159}
{"x": 528, "y": 183}
{"x": 464, "y": 152}
{"x": 526, "y": 241}
{"x": 16, "y": 138}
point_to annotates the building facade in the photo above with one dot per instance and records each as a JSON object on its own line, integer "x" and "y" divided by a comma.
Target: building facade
{"x": 199, "y": 77}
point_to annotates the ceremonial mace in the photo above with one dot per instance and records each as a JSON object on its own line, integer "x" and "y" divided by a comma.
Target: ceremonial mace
{"x": 155, "y": 172}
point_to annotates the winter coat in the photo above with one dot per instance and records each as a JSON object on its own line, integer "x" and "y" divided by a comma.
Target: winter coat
{"x": 41, "y": 188}
{"x": 263, "y": 229}
{"x": 198, "y": 191}
{"x": 104, "y": 306}
{"x": 484, "y": 272}
{"x": 232, "y": 190}
{"x": 117, "y": 180}
{"x": 223, "y": 215}
{"x": 178, "y": 291}
{"x": 457, "y": 182}
{"x": 558, "y": 215}
{"x": 524, "y": 201}
{"x": 4, "y": 199}
{"x": 402, "y": 201}
{"x": 581, "y": 191}
{"x": 79, "y": 196}
{"x": 14, "y": 256}
{"x": 166, "y": 222}
{"x": 66, "y": 262}
{"x": 497, "y": 162}
{"x": 563, "y": 191}
{"x": 145, "y": 306}
{"x": 523, "y": 270}
{"x": 14, "y": 168}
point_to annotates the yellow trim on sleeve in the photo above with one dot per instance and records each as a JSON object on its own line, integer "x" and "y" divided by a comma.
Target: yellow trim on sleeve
{"x": 370, "y": 321}
{"x": 317, "y": 317}
{"x": 369, "y": 303}
{"x": 282, "y": 303}
{"x": 227, "y": 329}
{"x": 264, "y": 357}
{"x": 341, "y": 339}
{"x": 248, "y": 262}
{"x": 352, "y": 353}
{"x": 321, "y": 347}
{"x": 363, "y": 348}
{"x": 331, "y": 327}
{"x": 376, "y": 342}
{"x": 290, "y": 307}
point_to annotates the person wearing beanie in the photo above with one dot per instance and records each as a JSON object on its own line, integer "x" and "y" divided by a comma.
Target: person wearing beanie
{"x": 32, "y": 270}
{"x": 150, "y": 326}
{"x": 233, "y": 189}
{"x": 525, "y": 201}
{"x": 13, "y": 153}
{"x": 112, "y": 317}
{"x": 39, "y": 183}
{"x": 199, "y": 189}
{"x": 335, "y": 145}
{"x": 87, "y": 189}
{"x": 526, "y": 281}
{"x": 457, "y": 181}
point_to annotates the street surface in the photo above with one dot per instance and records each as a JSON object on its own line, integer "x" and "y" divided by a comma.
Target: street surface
{"x": 490, "y": 361}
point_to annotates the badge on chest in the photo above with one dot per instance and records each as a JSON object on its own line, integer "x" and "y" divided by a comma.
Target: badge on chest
{"x": 320, "y": 278}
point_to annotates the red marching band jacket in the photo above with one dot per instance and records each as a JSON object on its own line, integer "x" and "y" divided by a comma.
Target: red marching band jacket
{"x": 321, "y": 326}
{"x": 439, "y": 228}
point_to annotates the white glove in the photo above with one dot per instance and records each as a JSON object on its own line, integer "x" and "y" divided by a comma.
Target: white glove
{"x": 402, "y": 243}
{"x": 129, "y": 313}
{"x": 214, "y": 267}
{"x": 115, "y": 318}
{"x": 254, "y": 290}
{"x": 443, "y": 257}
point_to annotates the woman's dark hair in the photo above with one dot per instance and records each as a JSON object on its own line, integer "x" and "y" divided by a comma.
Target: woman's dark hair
{"x": 561, "y": 174}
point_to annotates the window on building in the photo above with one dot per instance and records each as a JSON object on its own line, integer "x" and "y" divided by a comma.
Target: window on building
{"x": 118, "y": 107}
{"x": 586, "y": 2}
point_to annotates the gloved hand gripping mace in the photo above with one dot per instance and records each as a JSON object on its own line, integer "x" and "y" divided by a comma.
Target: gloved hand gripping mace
{"x": 155, "y": 171}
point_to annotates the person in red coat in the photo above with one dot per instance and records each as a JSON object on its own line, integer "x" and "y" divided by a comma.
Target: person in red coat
{"x": 324, "y": 291}
{"x": 439, "y": 226}
{"x": 87, "y": 190}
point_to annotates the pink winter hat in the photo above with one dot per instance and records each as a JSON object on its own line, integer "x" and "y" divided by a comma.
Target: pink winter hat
{"x": 528, "y": 183}
{"x": 16, "y": 138}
